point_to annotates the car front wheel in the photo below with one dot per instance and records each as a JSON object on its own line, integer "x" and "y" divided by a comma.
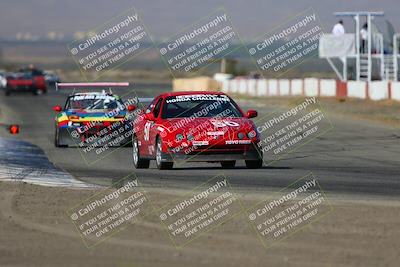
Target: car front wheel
{"x": 138, "y": 162}
{"x": 7, "y": 91}
{"x": 160, "y": 164}
{"x": 254, "y": 164}
{"x": 228, "y": 164}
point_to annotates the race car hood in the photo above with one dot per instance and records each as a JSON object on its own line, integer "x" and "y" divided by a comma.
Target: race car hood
{"x": 200, "y": 128}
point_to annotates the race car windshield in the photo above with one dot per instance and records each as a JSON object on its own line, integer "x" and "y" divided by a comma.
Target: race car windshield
{"x": 94, "y": 102}
{"x": 202, "y": 106}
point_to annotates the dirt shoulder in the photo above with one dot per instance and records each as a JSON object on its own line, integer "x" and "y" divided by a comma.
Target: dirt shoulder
{"x": 35, "y": 231}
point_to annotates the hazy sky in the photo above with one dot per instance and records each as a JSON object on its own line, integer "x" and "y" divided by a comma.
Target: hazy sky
{"x": 164, "y": 18}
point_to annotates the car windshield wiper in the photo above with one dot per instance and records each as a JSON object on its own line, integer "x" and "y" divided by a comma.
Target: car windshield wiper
{"x": 94, "y": 104}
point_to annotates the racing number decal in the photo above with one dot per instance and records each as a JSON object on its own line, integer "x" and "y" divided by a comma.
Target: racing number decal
{"x": 147, "y": 130}
{"x": 224, "y": 123}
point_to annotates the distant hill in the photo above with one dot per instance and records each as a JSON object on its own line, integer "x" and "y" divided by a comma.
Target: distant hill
{"x": 54, "y": 55}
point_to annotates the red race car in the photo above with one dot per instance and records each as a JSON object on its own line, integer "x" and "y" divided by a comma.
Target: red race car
{"x": 195, "y": 127}
{"x": 32, "y": 81}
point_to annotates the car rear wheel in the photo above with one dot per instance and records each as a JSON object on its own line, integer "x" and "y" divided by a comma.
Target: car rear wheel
{"x": 254, "y": 164}
{"x": 137, "y": 161}
{"x": 57, "y": 142}
{"x": 228, "y": 164}
{"x": 160, "y": 164}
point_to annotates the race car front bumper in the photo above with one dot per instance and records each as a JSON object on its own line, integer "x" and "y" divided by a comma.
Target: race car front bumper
{"x": 70, "y": 137}
{"x": 251, "y": 152}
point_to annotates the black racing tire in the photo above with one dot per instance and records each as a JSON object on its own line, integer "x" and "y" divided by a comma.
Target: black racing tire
{"x": 254, "y": 164}
{"x": 129, "y": 141}
{"x": 138, "y": 162}
{"x": 160, "y": 164}
{"x": 7, "y": 90}
{"x": 228, "y": 164}
{"x": 127, "y": 144}
{"x": 57, "y": 139}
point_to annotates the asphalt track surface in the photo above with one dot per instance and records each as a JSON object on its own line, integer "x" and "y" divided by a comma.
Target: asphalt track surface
{"x": 355, "y": 158}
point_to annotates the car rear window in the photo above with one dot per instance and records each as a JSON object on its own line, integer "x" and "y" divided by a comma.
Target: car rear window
{"x": 94, "y": 102}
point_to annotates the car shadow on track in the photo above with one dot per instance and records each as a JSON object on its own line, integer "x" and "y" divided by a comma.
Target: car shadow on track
{"x": 235, "y": 168}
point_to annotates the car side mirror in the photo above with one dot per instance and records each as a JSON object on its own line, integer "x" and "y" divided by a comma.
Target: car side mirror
{"x": 251, "y": 113}
{"x": 57, "y": 108}
{"x": 131, "y": 108}
{"x": 150, "y": 117}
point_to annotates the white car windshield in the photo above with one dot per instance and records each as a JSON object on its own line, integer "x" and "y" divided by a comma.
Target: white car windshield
{"x": 201, "y": 105}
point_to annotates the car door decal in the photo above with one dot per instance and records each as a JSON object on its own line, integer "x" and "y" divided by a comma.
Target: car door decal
{"x": 147, "y": 127}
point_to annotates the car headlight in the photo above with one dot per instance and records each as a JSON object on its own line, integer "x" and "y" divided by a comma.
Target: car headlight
{"x": 179, "y": 137}
{"x": 190, "y": 137}
{"x": 251, "y": 134}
